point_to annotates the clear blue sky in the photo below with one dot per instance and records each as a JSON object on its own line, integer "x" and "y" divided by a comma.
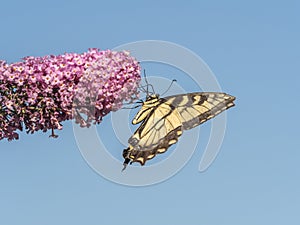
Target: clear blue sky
{"x": 254, "y": 50}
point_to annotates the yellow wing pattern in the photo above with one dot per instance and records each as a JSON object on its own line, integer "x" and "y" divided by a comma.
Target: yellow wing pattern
{"x": 163, "y": 120}
{"x": 197, "y": 108}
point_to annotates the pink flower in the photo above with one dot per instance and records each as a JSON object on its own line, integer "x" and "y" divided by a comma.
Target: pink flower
{"x": 48, "y": 78}
{"x": 20, "y": 81}
{"x": 32, "y": 98}
{"x": 39, "y": 93}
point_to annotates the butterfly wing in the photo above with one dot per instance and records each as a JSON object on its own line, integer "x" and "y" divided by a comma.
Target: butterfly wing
{"x": 160, "y": 129}
{"x": 196, "y": 108}
{"x": 166, "y": 118}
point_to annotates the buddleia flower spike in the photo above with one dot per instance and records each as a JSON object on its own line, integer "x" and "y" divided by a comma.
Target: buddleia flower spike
{"x": 39, "y": 93}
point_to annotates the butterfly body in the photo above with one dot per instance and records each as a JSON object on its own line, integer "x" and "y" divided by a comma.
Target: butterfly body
{"x": 164, "y": 119}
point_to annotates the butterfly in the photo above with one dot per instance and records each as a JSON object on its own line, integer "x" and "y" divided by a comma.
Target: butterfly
{"x": 162, "y": 121}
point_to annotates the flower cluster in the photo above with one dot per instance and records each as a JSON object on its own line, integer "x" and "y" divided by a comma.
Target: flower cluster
{"x": 41, "y": 92}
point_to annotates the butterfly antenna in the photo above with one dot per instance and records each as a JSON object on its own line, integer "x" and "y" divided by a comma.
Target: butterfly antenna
{"x": 147, "y": 91}
{"x": 153, "y": 92}
{"x": 174, "y": 80}
{"x": 148, "y": 84}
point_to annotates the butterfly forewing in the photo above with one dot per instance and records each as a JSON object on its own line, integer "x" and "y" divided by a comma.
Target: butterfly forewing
{"x": 196, "y": 108}
{"x": 147, "y": 108}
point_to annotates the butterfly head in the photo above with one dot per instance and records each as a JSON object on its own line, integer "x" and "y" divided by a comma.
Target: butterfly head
{"x": 152, "y": 97}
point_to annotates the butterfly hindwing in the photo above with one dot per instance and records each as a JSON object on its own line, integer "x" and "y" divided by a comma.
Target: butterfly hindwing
{"x": 161, "y": 128}
{"x": 163, "y": 120}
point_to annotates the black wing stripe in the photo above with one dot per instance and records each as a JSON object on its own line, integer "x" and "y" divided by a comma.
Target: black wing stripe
{"x": 142, "y": 127}
{"x": 142, "y": 156}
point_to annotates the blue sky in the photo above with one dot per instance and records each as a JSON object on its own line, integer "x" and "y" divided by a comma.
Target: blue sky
{"x": 253, "y": 49}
